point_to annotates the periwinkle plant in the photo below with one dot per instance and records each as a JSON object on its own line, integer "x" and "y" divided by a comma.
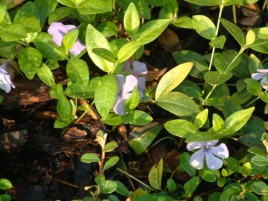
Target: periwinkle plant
{"x": 211, "y": 96}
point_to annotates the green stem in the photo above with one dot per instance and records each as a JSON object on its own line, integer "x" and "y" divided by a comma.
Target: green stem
{"x": 216, "y": 34}
{"x": 234, "y": 59}
{"x": 129, "y": 175}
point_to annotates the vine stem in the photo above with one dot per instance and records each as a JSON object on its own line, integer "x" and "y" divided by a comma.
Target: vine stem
{"x": 129, "y": 175}
{"x": 216, "y": 34}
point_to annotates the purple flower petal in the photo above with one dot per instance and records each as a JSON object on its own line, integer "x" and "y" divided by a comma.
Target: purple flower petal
{"x": 262, "y": 71}
{"x": 139, "y": 68}
{"x": 77, "y": 48}
{"x": 213, "y": 162}
{"x": 58, "y": 30}
{"x": 221, "y": 151}
{"x": 130, "y": 82}
{"x": 141, "y": 83}
{"x": 119, "y": 106}
{"x": 5, "y": 80}
{"x": 195, "y": 145}
{"x": 211, "y": 143}
{"x": 258, "y": 76}
{"x": 197, "y": 159}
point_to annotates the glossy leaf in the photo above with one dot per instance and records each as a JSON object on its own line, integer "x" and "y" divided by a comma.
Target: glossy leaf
{"x": 133, "y": 100}
{"x": 127, "y": 50}
{"x": 204, "y": 26}
{"x": 110, "y": 162}
{"x": 205, "y": 2}
{"x": 108, "y": 187}
{"x": 216, "y": 78}
{"x": 151, "y": 30}
{"x": 180, "y": 127}
{"x": 250, "y": 37}
{"x": 121, "y": 188}
{"x": 90, "y": 158}
{"x": 110, "y": 146}
{"x": 13, "y": 32}
{"x": 253, "y": 86}
{"x": 200, "y": 65}
{"x": 137, "y": 117}
{"x": 201, "y": 118}
{"x": 30, "y": 60}
{"x": 77, "y": 71}
{"x": 260, "y": 160}
{"x": 235, "y": 31}
{"x": 237, "y": 120}
{"x": 217, "y": 123}
{"x": 172, "y": 79}
{"x": 46, "y": 75}
{"x": 184, "y": 161}
{"x": 131, "y": 19}
{"x": 218, "y": 42}
{"x": 5, "y": 184}
{"x": 191, "y": 185}
{"x": 183, "y": 22}
{"x": 94, "y": 39}
{"x": 179, "y": 104}
{"x": 69, "y": 39}
{"x": 141, "y": 143}
{"x": 105, "y": 95}
{"x": 92, "y": 7}
{"x": 155, "y": 175}
{"x": 105, "y": 54}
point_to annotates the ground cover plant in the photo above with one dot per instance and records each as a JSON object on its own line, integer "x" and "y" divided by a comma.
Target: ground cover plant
{"x": 134, "y": 100}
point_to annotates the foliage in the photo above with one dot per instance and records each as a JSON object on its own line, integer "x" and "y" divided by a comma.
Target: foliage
{"x": 207, "y": 96}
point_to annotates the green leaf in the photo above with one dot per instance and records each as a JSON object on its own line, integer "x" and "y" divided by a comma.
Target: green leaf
{"x": 260, "y": 188}
{"x": 113, "y": 120}
{"x": 137, "y": 117}
{"x": 237, "y": 120}
{"x": 108, "y": 28}
{"x": 77, "y": 71}
{"x": 232, "y": 164}
{"x": 179, "y": 104}
{"x": 105, "y": 95}
{"x": 200, "y": 65}
{"x": 180, "y": 127}
{"x": 43, "y": 42}
{"x": 141, "y": 143}
{"x": 260, "y": 160}
{"x": 109, "y": 187}
{"x": 121, "y": 188}
{"x": 69, "y": 39}
{"x": 155, "y": 175}
{"x": 30, "y": 60}
{"x": 68, "y": 3}
{"x": 201, "y": 118}
{"x": 151, "y": 30}
{"x": 235, "y": 31}
{"x": 184, "y": 161}
{"x": 90, "y": 158}
{"x": 127, "y": 50}
{"x": 172, "y": 79}
{"x": 94, "y": 39}
{"x": 64, "y": 108}
{"x": 204, "y": 26}
{"x": 250, "y": 37}
{"x": 133, "y": 100}
{"x": 208, "y": 174}
{"x": 191, "y": 185}
{"x": 218, "y": 42}
{"x": 3, "y": 12}
{"x": 205, "y": 2}
{"x": 218, "y": 123}
{"x": 5, "y": 184}
{"x": 216, "y": 78}
{"x": 110, "y": 163}
{"x": 46, "y": 75}
{"x": 12, "y": 32}
{"x": 131, "y": 19}
{"x": 224, "y": 59}
{"x": 105, "y": 54}
{"x": 253, "y": 86}
{"x": 183, "y": 22}
{"x": 171, "y": 185}
{"x": 91, "y": 7}
{"x": 110, "y": 146}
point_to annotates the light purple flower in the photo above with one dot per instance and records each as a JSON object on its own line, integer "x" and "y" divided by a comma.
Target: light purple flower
{"x": 5, "y": 81}
{"x": 139, "y": 70}
{"x": 213, "y": 154}
{"x": 58, "y": 30}
{"x": 262, "y": 76}
{"x": 125, "y": 88}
